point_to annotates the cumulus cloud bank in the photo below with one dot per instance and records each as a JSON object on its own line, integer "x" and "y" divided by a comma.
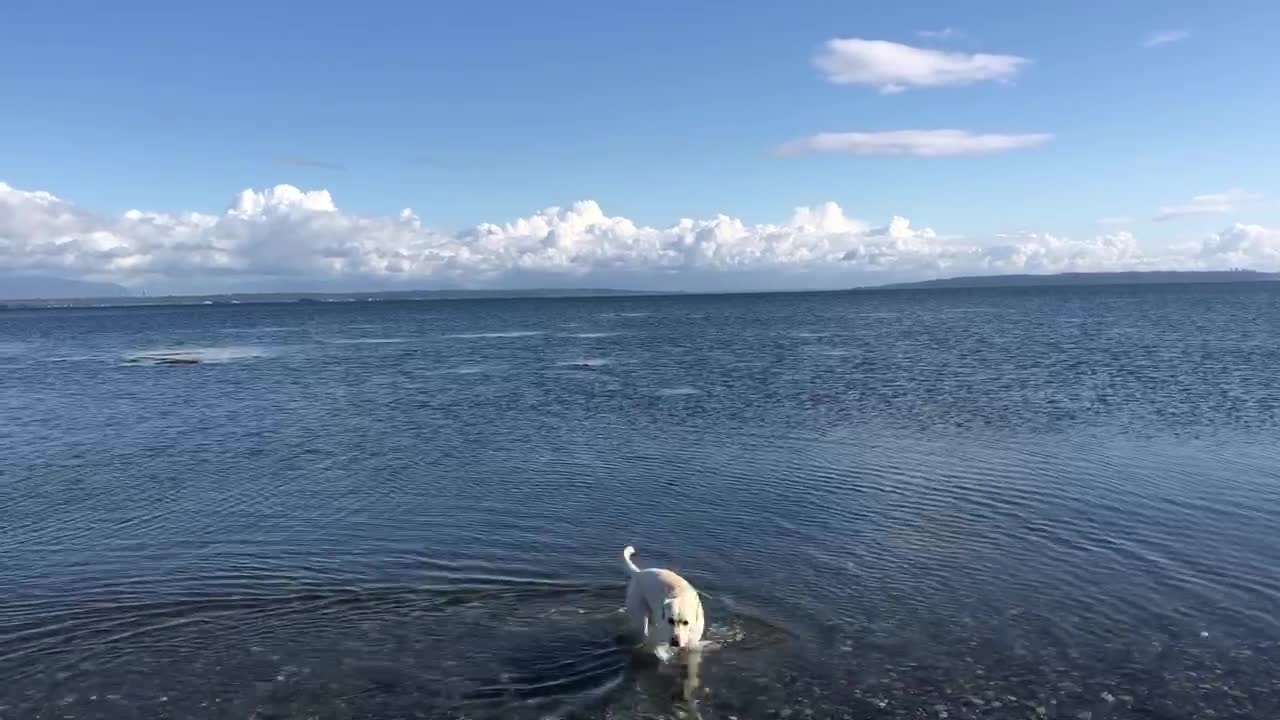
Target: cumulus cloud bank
{"x": 284, "y": 237}
{"x": 894, "y": 67}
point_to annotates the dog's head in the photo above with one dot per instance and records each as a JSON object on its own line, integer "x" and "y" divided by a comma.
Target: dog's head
{"x": 681, "y": 621}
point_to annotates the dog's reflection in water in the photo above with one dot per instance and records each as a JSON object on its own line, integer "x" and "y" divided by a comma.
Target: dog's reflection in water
{"x": 673, "y": 675}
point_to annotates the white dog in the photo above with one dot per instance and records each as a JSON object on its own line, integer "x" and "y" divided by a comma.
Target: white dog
{"x": 663, "y": 607}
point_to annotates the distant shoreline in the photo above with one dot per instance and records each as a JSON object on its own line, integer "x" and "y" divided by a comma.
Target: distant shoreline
{"x": 971, "y": 282}
{"x": 316, "y": 297}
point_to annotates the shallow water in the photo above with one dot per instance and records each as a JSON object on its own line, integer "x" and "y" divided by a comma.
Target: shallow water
{"x": 991, "y": 504}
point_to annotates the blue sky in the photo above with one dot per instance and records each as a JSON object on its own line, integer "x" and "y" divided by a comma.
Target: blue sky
{"x": 472, "y": 113}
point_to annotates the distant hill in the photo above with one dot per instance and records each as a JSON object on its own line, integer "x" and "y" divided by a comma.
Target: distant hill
{"x": 37, "y": 287}
{"x": 1098, "y": 278}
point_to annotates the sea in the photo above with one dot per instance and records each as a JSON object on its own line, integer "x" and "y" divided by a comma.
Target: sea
{"x": 997, "y": 503}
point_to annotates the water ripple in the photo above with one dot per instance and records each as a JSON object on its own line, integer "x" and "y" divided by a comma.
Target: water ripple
{"x": 898, "y": 505}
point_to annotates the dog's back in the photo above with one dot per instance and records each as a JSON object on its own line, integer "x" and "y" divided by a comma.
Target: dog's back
{"x": 671, "y": 583}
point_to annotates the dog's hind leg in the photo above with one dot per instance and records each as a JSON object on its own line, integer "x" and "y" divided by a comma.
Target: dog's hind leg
{"x": 637, "y": 613}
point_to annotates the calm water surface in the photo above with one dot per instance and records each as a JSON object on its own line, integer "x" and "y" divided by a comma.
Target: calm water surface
{"x": 993, "y": 504}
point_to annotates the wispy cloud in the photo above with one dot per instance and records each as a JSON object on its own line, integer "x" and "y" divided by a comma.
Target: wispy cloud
{"x": 894, "y": 67}
{"x": 923, "y": 143}
{"x": 1165, "y": 37}
{"x": 1211, "y": 204}
{"x": 428, "y": 161}
{"x": 943, "y": 34}
{"x": 306, "y": 162}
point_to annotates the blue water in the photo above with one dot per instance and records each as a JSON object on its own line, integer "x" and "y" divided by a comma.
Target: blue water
{"x": 991, "y": 504}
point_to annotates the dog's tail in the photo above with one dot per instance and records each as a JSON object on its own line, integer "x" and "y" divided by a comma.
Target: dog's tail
{"x": 627, "y": 552}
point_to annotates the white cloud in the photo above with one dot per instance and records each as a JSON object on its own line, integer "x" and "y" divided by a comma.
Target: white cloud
{"x": 894, "y": 67}
{"x": 1211, "y": 204}
{"x": 1242, "y": 246}
{"x": 284, "y": 238}
{"x": 1167, "y": 37}
{"x": 925, "y": 143}
{"x": 1043, "y": 252}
